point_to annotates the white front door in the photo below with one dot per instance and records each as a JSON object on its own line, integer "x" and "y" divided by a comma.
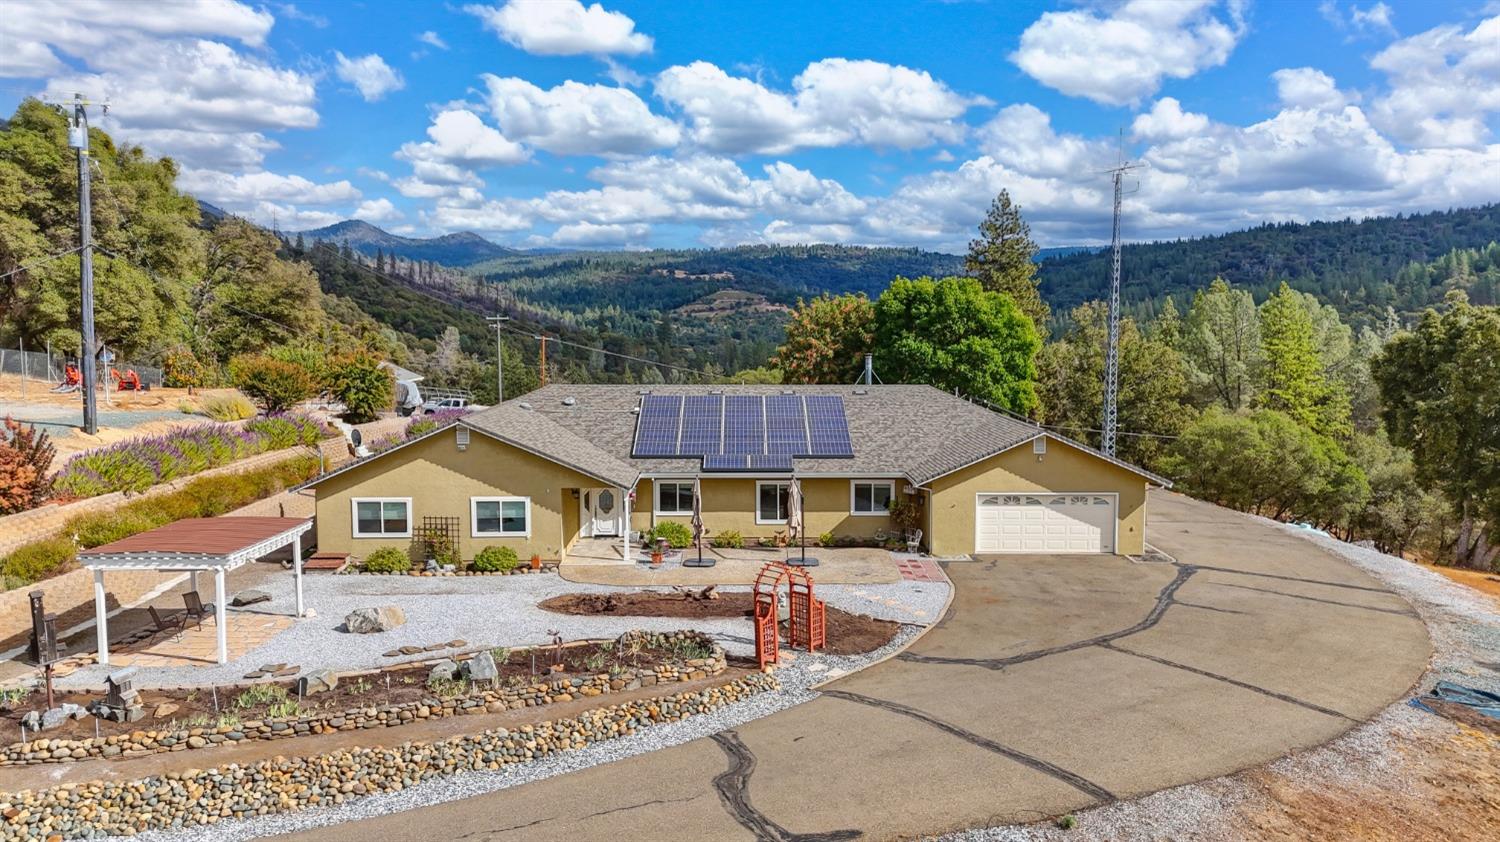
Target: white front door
{"x": 605, "y": 512}
{"x": 1044, "y": 523}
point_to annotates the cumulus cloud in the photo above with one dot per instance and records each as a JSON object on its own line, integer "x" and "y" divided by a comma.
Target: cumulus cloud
{"x": 589, "y": 234}
{"x": 377, "y": 210}
{"x": 1121, "y": 56}
{"x": 578, "y": 119}
{"x": 370, "y": 75}
{"x": 461, "y": 138}
{"x": 833, "y": 102}
{"x": 1167, "y": 121}
{"x": 1444, "y": 83}
{"x": 1307, "y": 87}
{"x": 563, "y": 28}
{"x": 1021, "y": 136}
{"x": 231, "y": 190}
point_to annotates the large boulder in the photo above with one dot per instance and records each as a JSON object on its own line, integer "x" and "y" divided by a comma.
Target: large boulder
{"x": 379, "y": 619}
{"x": 444, "y": 670}
{"x": 58, "y": 715}
{"x": 482, "y": 667}
{"x": 249, "y": 597}
{"x": 317, "y": 681}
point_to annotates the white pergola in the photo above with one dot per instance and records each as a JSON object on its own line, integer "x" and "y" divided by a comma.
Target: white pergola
{"x": 194, "y": 545}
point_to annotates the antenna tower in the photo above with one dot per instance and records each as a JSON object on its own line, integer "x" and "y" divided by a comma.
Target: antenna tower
{"x": 1112, "y": 349}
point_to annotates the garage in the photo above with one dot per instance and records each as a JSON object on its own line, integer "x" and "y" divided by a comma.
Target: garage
{"x": 1045, "y": 523}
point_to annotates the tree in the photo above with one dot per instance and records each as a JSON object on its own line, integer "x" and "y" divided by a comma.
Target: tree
{"x": 1292, "y": 372}
{"x": 1440, "y": 392}
{"x": 1166, "y": 328}
{"x": 956, "y": 335}
{"x": 276, "y": 385}
{"x": 1221, "y": 343}
{"x": 826, "y": 340}
{"x": 362, "y": 386}
{"x": 761, "y": 376}
{"x": 25, "y": 456}
{"x": 247, "y": 299}
{"x": 1399, "y": 511}
{"x": 1153, "y": 384}
{"x": 1003, "y": 258}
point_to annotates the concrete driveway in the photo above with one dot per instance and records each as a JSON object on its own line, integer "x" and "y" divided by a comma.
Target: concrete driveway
{"x": 1055, "y": 683}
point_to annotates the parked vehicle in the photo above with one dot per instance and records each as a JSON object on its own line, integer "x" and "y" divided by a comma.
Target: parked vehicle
{"x": 439, "y": 404}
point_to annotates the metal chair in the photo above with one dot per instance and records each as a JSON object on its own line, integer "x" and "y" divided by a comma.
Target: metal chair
{"x": 177, "y": 623}
{"x": 197, "y": 611}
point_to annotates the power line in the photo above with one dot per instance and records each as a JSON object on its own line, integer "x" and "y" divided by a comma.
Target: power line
{"x": 39, "y": 261}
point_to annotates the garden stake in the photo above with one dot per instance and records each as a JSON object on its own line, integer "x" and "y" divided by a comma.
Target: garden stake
{"x": 215, "y": 688}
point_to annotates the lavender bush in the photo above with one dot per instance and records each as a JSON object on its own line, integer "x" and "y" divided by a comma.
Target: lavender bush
{"x": 427, "y": 423}
{"x": 138, "y": 464}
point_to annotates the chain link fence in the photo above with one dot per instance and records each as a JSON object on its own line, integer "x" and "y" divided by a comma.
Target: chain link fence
{"x": 44, "y": 367}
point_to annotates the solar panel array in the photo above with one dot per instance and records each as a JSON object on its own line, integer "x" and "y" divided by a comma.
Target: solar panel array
{"x": 743, "y": 432}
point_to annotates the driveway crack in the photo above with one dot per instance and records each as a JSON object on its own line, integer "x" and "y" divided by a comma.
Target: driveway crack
{"x": 1227, "y": 680}
{"x": 733, "y": 786}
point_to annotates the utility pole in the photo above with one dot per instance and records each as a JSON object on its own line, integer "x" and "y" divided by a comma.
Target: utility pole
{"x": 1112, "y": 348}
{"x": 499, "y": 356}
{"x": 78, "y": 138}
{"x": 542, "y": 363}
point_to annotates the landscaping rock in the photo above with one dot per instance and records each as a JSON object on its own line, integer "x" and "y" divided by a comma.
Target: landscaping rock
{"x": 249, "y": 597}
{"x": 317, "y": 681}
{"x": 164, "y": 710}
{"x": 60, "y": 714}
{"x": 482, "y": 667}
{"x": 368, "y": 620}
{"x": 444, "y": 670}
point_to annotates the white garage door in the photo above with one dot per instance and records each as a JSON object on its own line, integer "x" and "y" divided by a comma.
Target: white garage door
{"x": 1045, "y": 523}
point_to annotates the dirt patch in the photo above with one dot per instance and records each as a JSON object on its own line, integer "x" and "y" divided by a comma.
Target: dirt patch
{"x": 1487, "y": 583}
{"x": 848, "y": 634}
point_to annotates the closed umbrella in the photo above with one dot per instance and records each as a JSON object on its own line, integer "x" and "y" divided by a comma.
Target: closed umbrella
{"x": 794, "y": 526}
{"x": 698, "y": 528}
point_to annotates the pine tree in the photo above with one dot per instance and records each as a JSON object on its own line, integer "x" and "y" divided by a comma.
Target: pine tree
{"x": 1002, "y": 258}
{"x": 1166, "y": 328}
{"x": 1292, "y": 373}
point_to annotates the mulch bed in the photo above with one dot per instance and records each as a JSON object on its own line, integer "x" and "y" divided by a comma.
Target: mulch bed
{"x": 848, "y": 634}
{"x": 392, "y": 686}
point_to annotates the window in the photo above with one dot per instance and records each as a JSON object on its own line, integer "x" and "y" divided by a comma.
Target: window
{"x": 871, "y": 498}
{"x": 382, "y": 517}
{"x": 770, "y": 502}
{"x": 674, "y": 498}
{"x": 500, "y": 516}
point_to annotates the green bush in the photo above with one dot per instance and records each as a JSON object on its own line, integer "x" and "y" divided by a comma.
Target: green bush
{"x": 38, "y": 560}
{"x": 275, "y": 385}
{"x": 387, "y": 560}
{"x": 496, "y": 560}
{"x": 231, "y": 407}
{"x": 728, "y": 539}
{"x": 99, "y": 528}
{"x": 362, "y": 386}
{"x": 678, "y": 536}
{"x": 827, "y": 539}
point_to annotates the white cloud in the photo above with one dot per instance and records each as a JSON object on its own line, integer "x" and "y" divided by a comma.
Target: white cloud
{"x": 240, "y": 150}
{"x": 231, "y": 191}
{"x": 1121, "y": 56}
{"x": 589, "y": 234}
{"x": 1307, "y": 87}
{"x": 28, "y": 59}
{"x": 432, "y": 39}
{"x": 1021, "y": 136}
{"x": 834, "y": 102}
{"x": 578, "y": 119}
{"x": 1167, "y": 121}
{"x": 1444, "y": 83}
{"x": 377, "y": 210}
{"x": 563, "y": 28}
{"x": 1374, "y": 19}
{"x": 369, "y": 74}
{"x": 460, "y": 138}
{"x": 291, "y": 12}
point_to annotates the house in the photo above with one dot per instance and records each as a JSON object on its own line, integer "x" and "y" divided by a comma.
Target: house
{"x": 590, "y": 461}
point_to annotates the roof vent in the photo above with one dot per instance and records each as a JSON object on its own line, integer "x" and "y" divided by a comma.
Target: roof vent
{"x": 524, "y": 405}
{"x": 861, "y": 391}
{"x": 788, "y": 392}
{"x": 643, "y": 391}
{"x": 570, "y": 401}
{"x": 635, "y": 410}
{"x": 716, "y": 391}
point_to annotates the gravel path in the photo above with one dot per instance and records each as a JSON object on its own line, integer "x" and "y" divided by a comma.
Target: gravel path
{"x": 1465, "y": 630}
{"x": 484, "y": 611}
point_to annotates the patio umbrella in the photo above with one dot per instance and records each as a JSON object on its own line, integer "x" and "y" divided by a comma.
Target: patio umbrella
{"x": 794, "y": 525}
{"x": 698, "y": 529}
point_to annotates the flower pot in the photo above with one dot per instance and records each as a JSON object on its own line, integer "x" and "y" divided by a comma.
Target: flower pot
{"x": 536, "y": 562}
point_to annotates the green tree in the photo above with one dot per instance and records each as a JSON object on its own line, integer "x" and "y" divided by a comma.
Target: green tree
{"x": 276, "y": 385}
{"x": 761, "y": 376}
{"x": 1399, "y": 513}
{"x": 826, "y": 340}
{"x": 1153, "y": 384}
{"x": 1221, "y": 343}
{"x": 1166, "y": 328}
{"x": 956, "y": 335}
{"x": 1440, "y": 390}
{"x": 1003, "y": 258}
{"x": 1292, "y": 374}
{"x": 364, "y": 388}
{"x": 247, "y": 299}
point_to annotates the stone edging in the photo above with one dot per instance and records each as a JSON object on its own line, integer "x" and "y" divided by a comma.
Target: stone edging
{"x": 547, "y": 567}
{"x": 279, "y": 785}
{"x": 477, "y": 701}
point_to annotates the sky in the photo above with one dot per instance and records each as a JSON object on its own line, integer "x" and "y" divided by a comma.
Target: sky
{"x": 634, "y": 124}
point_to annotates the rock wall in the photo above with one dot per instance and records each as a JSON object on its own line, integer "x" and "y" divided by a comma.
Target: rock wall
{"x": 279, "y": 785}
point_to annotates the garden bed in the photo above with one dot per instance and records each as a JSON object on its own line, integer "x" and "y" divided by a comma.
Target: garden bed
{"x": 848, "y": 634}
{"x": 380, "y": 698}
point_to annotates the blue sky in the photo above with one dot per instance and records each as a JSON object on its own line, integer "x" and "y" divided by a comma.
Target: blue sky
{"x": 637, "y": 124}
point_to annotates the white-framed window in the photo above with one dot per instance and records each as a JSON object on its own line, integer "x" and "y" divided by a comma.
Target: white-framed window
{"x": 674, "y": 498}
{"x": 381, "y": 517}
{"x": 491, "y": 517}
{"x": 771, "y": 502}
{"x": 871, "y": 499}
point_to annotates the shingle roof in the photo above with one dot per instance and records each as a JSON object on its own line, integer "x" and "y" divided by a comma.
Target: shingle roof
{"x": 544, "y": 434}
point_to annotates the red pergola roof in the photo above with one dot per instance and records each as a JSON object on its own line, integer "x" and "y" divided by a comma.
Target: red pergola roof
{"x": 215, "y": 536}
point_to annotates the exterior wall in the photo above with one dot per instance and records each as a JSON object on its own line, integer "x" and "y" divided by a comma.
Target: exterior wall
{"x": 440, "y": 479}
{"x": 1062, "y": 469}
{"x": 729, "y": 504}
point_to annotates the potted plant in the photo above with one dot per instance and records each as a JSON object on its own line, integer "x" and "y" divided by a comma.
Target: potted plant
{"x": 658, "y": 551}
{"x": 536, "y": 561}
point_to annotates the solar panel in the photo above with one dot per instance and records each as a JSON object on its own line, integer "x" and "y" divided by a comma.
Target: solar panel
{"x": 770, "y": 462}
{"x": 656, "y": 429}
{"x": 721, "y": 462}
{"x": 702, "y": 418}
{"x": 744, "y": 424}
{"x": 828, "y": 426}
{"x": 786, "y": 426}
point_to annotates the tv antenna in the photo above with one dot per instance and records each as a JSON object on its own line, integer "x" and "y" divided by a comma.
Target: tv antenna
{"x": 1112, "y": 346}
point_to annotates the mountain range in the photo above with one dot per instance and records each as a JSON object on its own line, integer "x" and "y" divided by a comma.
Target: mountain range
{"x": 457, "y": 249}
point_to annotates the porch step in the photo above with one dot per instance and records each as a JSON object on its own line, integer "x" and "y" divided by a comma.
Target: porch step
{"x": 333, "y": 562}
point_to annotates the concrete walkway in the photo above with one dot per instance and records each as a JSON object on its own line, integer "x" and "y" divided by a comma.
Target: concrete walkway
{"x": 1053, "y": 684}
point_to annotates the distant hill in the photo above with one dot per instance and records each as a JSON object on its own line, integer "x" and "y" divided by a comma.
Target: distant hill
{"x": 457, "y": 249}
{"x": 1352, "y": 265}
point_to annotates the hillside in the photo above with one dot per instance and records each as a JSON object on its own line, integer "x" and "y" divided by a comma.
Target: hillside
{"x": 1352, "y": 265}
{"x": 456, "y": 249}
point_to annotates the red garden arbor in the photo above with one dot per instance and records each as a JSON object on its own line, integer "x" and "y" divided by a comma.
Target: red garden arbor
{"x": 807, "y": 624}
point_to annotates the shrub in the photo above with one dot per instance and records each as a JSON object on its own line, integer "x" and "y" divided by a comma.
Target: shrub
{"x": 39, "y": 559}
{"x": 276, "y": 385}
{"x": 424, "y": 424}
{"x": 181, "y": 367}
{"x": 99, "y": 528}
{"x": 231, "y": 407}
{"x": 25, "y": 456}
{"x": 387, "y": 560}
{"x": 496, "y": 560}
{"x": 827, "y": 539}
{"x": 678, "y": 536}
{"x": 906, "y": 514}
{"x": 728, "y": 539}
{"x": 364, "y": 388}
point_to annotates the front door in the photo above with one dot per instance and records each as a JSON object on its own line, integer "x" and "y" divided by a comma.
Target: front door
{"x": 604, "y": 512}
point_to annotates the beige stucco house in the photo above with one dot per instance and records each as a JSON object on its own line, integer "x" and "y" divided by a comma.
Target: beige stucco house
{"x": 590, "y": 461}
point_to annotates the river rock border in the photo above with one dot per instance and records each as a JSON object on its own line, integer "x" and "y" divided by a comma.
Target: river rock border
{"x": 195, "y": 797}
{"x": 547, "y": 567}
{"x": 478, "y": 700}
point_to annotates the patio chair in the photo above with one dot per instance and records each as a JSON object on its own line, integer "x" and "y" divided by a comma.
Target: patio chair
{"x": 176, "y": 623}
{"x": 913, "y": 540}
{"x": 196, "y": 609}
